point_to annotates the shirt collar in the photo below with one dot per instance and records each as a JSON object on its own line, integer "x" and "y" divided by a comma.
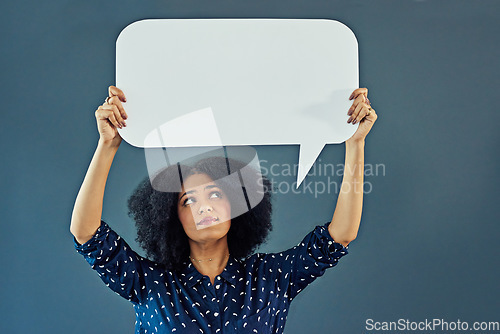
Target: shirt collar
{"x": 233, "y": 270}
{"x": 190, "y": 275}
{"x": 231, "y": 273}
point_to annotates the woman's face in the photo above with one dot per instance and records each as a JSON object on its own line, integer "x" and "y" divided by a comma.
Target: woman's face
{"x": 204, "y": 209}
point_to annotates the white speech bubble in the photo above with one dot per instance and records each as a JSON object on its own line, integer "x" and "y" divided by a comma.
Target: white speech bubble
{"x": 266, "y": 82}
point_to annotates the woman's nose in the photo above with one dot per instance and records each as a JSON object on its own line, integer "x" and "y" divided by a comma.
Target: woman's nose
{"x": 204, "y": 208}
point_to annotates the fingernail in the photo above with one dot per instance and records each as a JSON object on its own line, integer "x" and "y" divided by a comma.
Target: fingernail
{"x": 349, "y": 112}
{"x": 354, "y": 122}
{"x": 349, "y": 120}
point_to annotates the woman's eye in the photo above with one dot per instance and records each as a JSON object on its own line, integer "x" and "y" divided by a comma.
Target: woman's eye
{"x": 191, "y": 200}
{"x": 187, "y": 201}
{"x": 218, "y": 194}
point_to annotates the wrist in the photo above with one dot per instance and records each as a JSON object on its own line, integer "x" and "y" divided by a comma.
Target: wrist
{"x": 109, "y": 144}
{"x": 355, "y": 143}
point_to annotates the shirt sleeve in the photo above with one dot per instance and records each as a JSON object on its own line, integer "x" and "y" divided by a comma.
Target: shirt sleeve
{"x": 302, "y": 264}
{"x": 119, "y": 267}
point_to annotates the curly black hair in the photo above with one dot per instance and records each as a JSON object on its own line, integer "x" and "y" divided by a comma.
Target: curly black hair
{"x": 159, "y": 230}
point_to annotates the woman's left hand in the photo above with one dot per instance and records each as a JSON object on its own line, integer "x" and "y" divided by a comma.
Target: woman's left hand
{"x": 362, "y": 113}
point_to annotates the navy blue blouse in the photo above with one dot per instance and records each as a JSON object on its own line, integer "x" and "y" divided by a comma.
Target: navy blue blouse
{"x": 250, "y": 296}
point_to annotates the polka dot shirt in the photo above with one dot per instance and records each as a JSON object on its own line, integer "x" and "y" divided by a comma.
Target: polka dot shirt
{"x": 250, "y": 296}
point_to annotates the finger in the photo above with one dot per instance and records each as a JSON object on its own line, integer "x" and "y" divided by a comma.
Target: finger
{"x": 357, "y": 101}
{"x": 112, "y": 119}
{"x": 367, "y": 113}
{"x": 372, "y": 116}
{"x": 355, "y": 115}
{"x": 358, "y": 91}
{"x": 116, "y": 113}
{"x": 108, "y": 115}
{"x": 362, "y": 114}
{"x": 115, "y": 100}
{"x": 115, "y": 91}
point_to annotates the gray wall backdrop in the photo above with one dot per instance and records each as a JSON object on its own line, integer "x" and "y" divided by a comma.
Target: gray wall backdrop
{"x": 428, "y": 245}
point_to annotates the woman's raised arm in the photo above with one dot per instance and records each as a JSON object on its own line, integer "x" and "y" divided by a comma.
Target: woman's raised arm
{"x": 347, "y": 216}
{"x": 86, "y": 217}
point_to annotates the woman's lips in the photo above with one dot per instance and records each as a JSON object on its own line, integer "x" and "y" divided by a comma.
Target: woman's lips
{"x": 207, "y": 221}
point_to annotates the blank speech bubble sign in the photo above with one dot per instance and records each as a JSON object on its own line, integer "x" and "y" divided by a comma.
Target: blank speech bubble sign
{"x": 243, "y": 81}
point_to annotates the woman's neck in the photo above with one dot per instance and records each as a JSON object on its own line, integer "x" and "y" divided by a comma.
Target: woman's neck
{"x": 210, "y": 259}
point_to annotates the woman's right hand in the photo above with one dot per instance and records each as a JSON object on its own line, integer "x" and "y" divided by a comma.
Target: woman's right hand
{"x": 111, "y": 116}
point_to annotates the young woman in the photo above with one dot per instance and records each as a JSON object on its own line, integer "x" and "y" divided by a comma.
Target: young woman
{"x": 202, "y": 276}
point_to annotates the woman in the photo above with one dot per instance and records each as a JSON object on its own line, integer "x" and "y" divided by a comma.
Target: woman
{"x": 201, "y": 279}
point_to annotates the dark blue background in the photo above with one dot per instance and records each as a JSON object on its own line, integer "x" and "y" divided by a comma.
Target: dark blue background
{"x": 428, "y": 245}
